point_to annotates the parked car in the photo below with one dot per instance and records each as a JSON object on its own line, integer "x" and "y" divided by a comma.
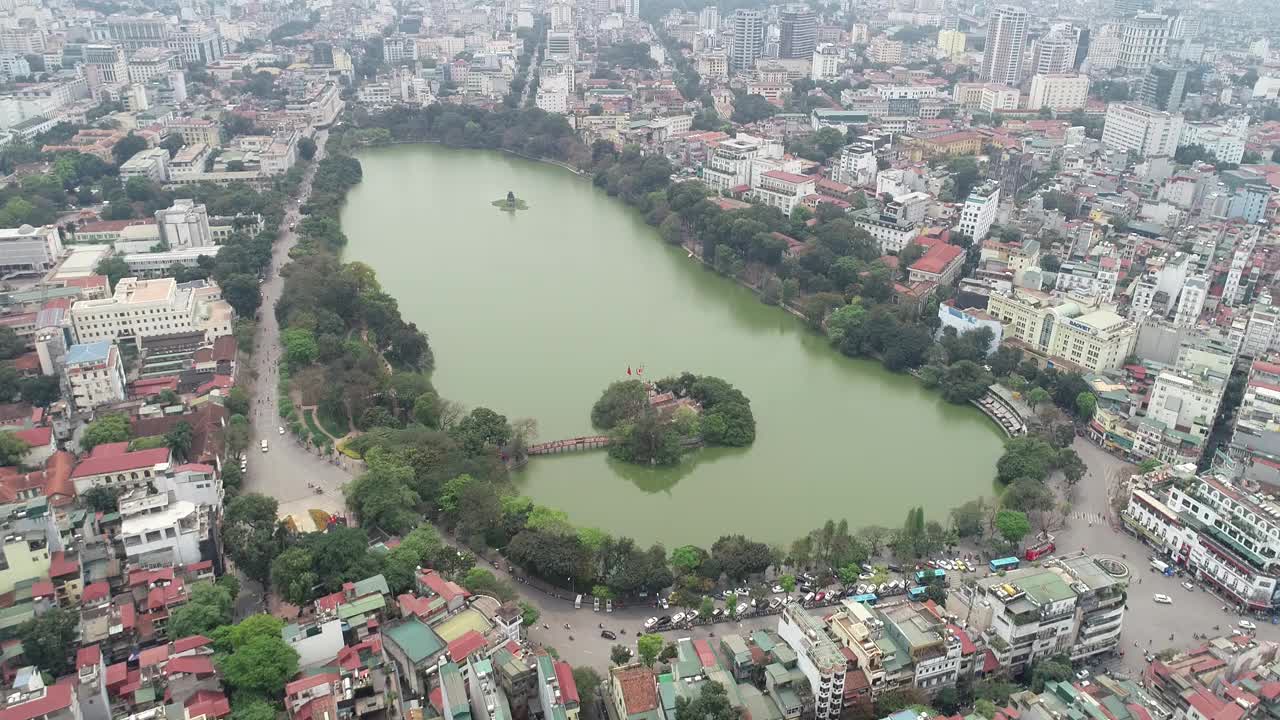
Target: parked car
{"x": 1247, "y": 625}
{"x": 1188, "y": 586}
{"x": 777, "y": 589}
{"x": 608, "y": 635}
{"x": 742, "y": 592}
{"x": 1162, "y": 599}
{"x": 691, "y": 615}
{"x": 678, "y": 618}
{"x": 650, "y": 622}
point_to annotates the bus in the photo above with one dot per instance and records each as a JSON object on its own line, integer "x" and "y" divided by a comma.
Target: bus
{"x": 916, "y": 593}
{"x": 1039, "y": 551}
{"x": 1009, "y": 563}
{"x": 866, "y": 598}
{"x": 924, "y": 577}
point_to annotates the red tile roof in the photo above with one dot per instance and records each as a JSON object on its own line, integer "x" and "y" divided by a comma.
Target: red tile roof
{"x": 56, "y": 697}
{"x": 209, "y": 704}
{"x": 466, "y": 644}
{"x": 42, "y": 589}
{"x": 937, "y": 258}
{"x": 60, "y": 564}
{"x": 446, "y": 589}
{"x": 95, "y": 592}
{"x": 639, "y": 690}
{"x": 36, "y": 437}
{"x": 138, "y": 460}
{"x": 189, "y": 665}
{"x": 87, "y": 656}
{"x": 788, "y": 177}
{"x": 153, "y": 656}
{"x": 191, "y": 642}
{"x": 117, "y": 673}
{"x": 309, "y": 682}
{"x": 569, "y": 688}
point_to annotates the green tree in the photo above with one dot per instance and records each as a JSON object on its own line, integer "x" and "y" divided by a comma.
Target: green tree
{"x": 1037, "y": 396}
{"x": 11, "y": 346}
{"x": 649, "y": 646}
{"x": 253, "y": 657}
{"x": 106, "y": 429}
{"x": 49, "y": 639}
{"x": 251, "y": 708}
{"x": 1086, "y": 405}
{"x": 1053, "y": 669}
{"x": 209, "y": 607}
{"x": 1012, "y": 525}
{"x": 293, "y": 575}
{"x": 588, "y": 682}
{"x": 252, "y": 534}
{"x": 300, "y": 347}
{"x": 712, "y": 703}
{"x": 788, "y": 583}
{"x": 968, "y": 518}
{"x": 529, "y": 614}
{"x": 179, "y": 440}
{"x": 102, "y": 498}
{"x": 127, "y": 147}
{"x": 12, "y": 449}
{"x": 621, "y": 401}
{"x": 620, "y": 655}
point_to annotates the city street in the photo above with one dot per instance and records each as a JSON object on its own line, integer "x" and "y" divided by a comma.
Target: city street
{"x": 285, "y": 469}
{"x": 1147, "y": 623}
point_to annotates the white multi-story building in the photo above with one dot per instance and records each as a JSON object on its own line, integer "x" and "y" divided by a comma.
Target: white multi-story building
{"x": 979, "y": 211}
{"x": 748, "y": 39}
{"x": 29, "y": 249}
{"x": 185, "y": 225}
{"x": 148, "y": 308}
{"x": 1191, "y": 301}
{"x": 195, "y": 131}
{"x": 1241, "y": 257}
{"x": 733, "y": 162}
{"x": 951, "y": 43}
{"x": 783, "y": 190}
{"x": 555, "y": 87}
{"x": 1086, "y": 279}
{"x": 1225, "y": 142}
{"x": 1144, "y": 41}
{"x": 1054, "y": 53}
{"x": 200, "y": 44}
{"x": 857, "y": 165}
{"x": 562, "y": 45}
{"x": 94, "y": 373}
{"x": 399, "y": 47}
{"x": 1073, "y": 606}
{"x": 817, "y": 656}
{"x": 993, "y": 98}
{"x": 1223, "y": 535}
{"x": 150, "y": 62}
{"x": 1006, "y": 41}
{"x": 1187, "y": 401}
{"x": 1058, "y": 92}
{"x": 826, "y": 62}
{"x": 150, "y": 164}
{"x": 1141, "y": 130}
{"x": 1100, "y": 340}
{"x": 156, "y": 531}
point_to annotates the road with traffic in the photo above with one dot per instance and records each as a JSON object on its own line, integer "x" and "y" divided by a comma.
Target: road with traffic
{"x": 284, "y": 470}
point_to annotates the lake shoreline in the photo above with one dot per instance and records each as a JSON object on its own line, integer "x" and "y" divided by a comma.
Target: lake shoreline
{"x": 854, "y": 428}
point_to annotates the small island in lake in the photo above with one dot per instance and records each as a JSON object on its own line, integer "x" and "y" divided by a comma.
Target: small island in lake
{"x": 511, "y": 203}
{"x": 655, "y": 423}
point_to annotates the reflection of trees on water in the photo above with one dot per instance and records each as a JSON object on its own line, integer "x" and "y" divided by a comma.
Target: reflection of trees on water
{"x": 662, "y": 479}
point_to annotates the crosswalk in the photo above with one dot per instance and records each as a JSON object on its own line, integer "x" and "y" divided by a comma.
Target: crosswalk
{"x": 1090, "y": 517}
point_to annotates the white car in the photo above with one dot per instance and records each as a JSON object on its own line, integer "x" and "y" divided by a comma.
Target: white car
{"x": 264, "y": 446}
{"x": 677, "y": 619}
{"x": 650, "y": 622}
{"x": 281, "y": 427}
{"x": 742, "y": 592}
{"x": 1188, "y": 586}
{"x": 1247, "y": 625}
{"x": 1162, "y": 599}
{"x": 777, "y": 589}
{"x": 692, "y": 615}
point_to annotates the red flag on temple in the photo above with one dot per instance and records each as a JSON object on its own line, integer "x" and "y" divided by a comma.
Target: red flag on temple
{"x": 628, "y": 369}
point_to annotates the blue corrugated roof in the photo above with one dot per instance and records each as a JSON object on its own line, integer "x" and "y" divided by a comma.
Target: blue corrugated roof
{"x": 88, "y": 352}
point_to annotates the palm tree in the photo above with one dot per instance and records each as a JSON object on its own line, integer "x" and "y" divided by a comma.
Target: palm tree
{"x": 179, "y": 439}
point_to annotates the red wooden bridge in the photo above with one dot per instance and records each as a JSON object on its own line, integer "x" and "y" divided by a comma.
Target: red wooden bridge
{"x": 589, "y": 442}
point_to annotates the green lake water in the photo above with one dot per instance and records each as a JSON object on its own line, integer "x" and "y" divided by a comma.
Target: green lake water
{"x": 533, "y": 313}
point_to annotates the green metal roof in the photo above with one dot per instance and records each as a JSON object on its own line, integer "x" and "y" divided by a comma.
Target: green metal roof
{"x": 418, "y": 641}
{"x": 362, "y": 606}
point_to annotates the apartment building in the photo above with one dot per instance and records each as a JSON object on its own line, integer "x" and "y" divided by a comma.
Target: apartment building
{"x": 818, "y": 657}
{"x": 150, "y": 308}
{"x": 195, "y": 131}
{"x": 184, "y": 225}
{"x": 94, "y": 373}
{"x": 856, "y": 166}
{"x": 1062, "y": 93}
{"x": 1072, "y": 605}
{"x": 1187, "y": 400}
{"x": 1141, "y": 130}
{"x": 157, "y": 531}
{"x": 1100, "y": 340}
{"x": 1144, "y": 41}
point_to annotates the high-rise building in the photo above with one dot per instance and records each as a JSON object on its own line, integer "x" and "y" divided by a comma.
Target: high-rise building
{"x": 1132, "y": 7}
{"x": 631, "y": 8}
{"x": 1054, "y": 53}
{"x": 979, "y": 211}
{"x": 951, "y": 42}
{"x": 1141, "y": 130}
{"x": 826, "y": 62}
{"x": 561, "y": 46}
{"x": 1058, "y": 92}
{"x": 134, "y": 32}
{"x": 1144, "y": 41}
{"x": 1082, "y": 46}
{"x": 1006, "y": 39}
{"x": 748, "y": 39}
{"x": 709, "y": 18}
{"x": 1164, "y": 87}
{"x": 799, "y": 32}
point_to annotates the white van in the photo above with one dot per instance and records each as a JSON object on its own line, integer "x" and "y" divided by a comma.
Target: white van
{"x": 577, "y": 603}
{"x": 808, "y": 598}
{"x": 264, "y": 446}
